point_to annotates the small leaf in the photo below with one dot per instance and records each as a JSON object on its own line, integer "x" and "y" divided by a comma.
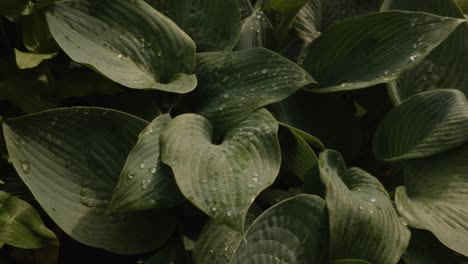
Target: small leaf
{"x": 368, "y": 50}
{"x": 363, "y": 223}
{"x": 222, "y": 179}
{"x": 292, "y": 231}
{"x": 214, "y": 25}
{"x": 21, "y": 226}
{"x": 256, "y": 32}
{"x": 127, "y": 41}
{"x": 70, "y": 159}
{"x": 233, "y": 85}
{"x": 145, "y": 182}
{"x": 435, "y": 197}
{"x": 423, "y": 125}
{"x": 26, "y": 60}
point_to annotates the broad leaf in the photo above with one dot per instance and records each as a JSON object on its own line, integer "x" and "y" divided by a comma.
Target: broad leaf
{"x": 435, "y": 197}
{"x": 214, "y": 25}
{"x": 423, "y": 125}
{"x": 374, "y": 48}
{"x": 256, "y": 32}
{"x": 222, "y": 179}
{"x": 70, "y": 159}
{"x": 127, "y": 41}
{"x": 363, "y": 223}
{"x": 293, "y": 231}
{"x": 235, "y": 84}
{"x": 26, "y": 60}
{"x": 424, "y": 248}
{"x": 145, "y": 182}
{"x": 21, "y": 226}
{"x": 447, "y": 64}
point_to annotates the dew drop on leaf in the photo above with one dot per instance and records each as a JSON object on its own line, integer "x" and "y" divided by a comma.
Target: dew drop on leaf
{"x": 142, "y": 165}
{"x": 25, "y": 166}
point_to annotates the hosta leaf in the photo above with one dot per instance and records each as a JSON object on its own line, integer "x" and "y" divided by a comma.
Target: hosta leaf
{"x": 297, "y": 156}
{"x": 26, "y": 60}
{"x": 145, "y": 182}
{"x": 423, "y": 125}
{"x": 235, "y": 84}
{"x": 363, "y": 223}
{"x": 376, "y": 48}
{"x": 222, "y": 179}
{"x": 127, "y": 41}
{"x": 307, "y": 22}
{"x": 447, "y": 64}
{"x": 435, "y": 197}
{"x": 214, "y": 25}
{"x": 70, "y": 159}
{"x": 256, "y": 31}
{"x": 424, "y": 248}
{"x": 293, "y": 231}
{"x": 245, "y": 8}
{"x": 21, "y": 226}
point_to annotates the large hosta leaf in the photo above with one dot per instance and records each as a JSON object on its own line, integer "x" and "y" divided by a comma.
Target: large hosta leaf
{"x": 222, "y": 179}
{"x": 214, "y": 25}
{"x": 435, "y": 197}
{"x": 423, "y": 125}
{"x": 363, "y": 223}
{"x": 127, "y": 41}
{"x": 447, "y": 64}
{"x": 70, "y": 159}
{"x": 293, "y": 231}
{"x": 145, "y": 182}
{"x": 21, "y": 226}
{"x": 235, "y": 84}
{"x": 374, "y": 48}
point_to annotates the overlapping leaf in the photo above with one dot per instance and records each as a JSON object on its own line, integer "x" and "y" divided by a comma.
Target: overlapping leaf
{"x": 222, "y": 179}
{"x": 435, "y": 197}
{"x": 447, "y": 64}
{"x": 145, "y": 182}
{"x": 70, "y": 159}
{"x": 423, "y": 125}
{"x": 235, "y": 84}
{"x": 374, "y": 48}
{"x": 293, "y": 231}
{"x": 363, "y": 223}
{"x": 127, "y": 41}
{"x": 256, "y": 32}
{"x": 21, "y": 226}
{"x": 214, "y": 25}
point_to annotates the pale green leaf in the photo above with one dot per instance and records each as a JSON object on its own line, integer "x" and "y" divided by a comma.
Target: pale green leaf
{"x": 256, "y": 32}
{"x": 222, "y": 177}
{"x": 26, "y": 60}
{"x": 127, "y": 41}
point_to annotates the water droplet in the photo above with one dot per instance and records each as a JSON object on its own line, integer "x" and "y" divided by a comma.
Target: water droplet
{"x": 360, "y": 207}
{"x": 131, "y": 175}
{"x": 213, "y": 209}
{"x": 413, "y": 57}
{"x": 228, "y": 213}
{"x": 153, "y": 170}
{"x": 88, "y": 201}
{"x": 211, "y": 251}
{"x": 144, "y": 184}
{"x": 142, "y": 165}
{"x": 25, "y": 166}
{"x": 226, "y": 95}
{"x": 254, "y": 179}
{"x": 373, "y": 200}
{"x": 68, "y": 164}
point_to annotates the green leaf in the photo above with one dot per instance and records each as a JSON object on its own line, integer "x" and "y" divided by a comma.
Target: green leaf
{"x": 127, "y": 41}
{"x": 424, "y": 248}
{"x": 15, "y": 7}
{"x": 447, "y": 64}
{"x": 363, "y": 223}
{"x": 26, "y": 60}
{"x": 233, "y": 85}
{"x": 463, "y": 4}
{"x": 36, "y": 35}
{"x": 298, "y": 158}
{"x": 214, "y": 25}
{"x": 256, "y": 31}
{"x": 423, "y": 125}
{"x": 435, "y": 197}
{"x": 293, "y": 231}
{"x": 307, "y": 22}
{"x": 70, "y": 159}
{"x": 245, "y": 8}
{"x": 21, "y": 226}
{"x": 222, "y": 179}
{"x": 145, "y": 182}
{"x": 174, "y": 254}
{"x": 374, "y": 48}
